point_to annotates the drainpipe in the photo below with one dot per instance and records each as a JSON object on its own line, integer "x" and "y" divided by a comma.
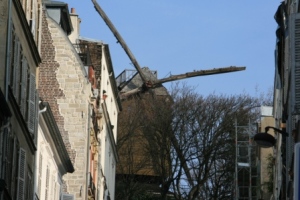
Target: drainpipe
{"x": 35, "y": 175}
{"x": 8, "y": 47}
{"x": 88, "y": 152}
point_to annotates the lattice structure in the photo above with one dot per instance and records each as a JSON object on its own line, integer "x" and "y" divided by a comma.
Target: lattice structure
{"x": 246, "y": 171}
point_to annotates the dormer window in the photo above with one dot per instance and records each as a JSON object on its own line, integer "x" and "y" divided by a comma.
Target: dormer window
{"x": 59, "y": 12}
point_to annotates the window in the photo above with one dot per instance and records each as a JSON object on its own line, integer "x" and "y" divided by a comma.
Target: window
{"x": 47, "y": 189}
{"x": 14, "y": 182}
{"x": 32, "y": 17}
{"x": 24, "y": 86}
{"x": 39, "y": 17}
{"x": 29, "y": 186}
{"x": 16, "y": 68}
{"x": 67, "y": 197}
{"x": 21, "y": 174}
{"x": 40, "y": 175}
{"x": 5, "y": 153}
{"x": 32, "y": 108}
{"x": 56, "y": 191}
{"x": 8, "y": 156}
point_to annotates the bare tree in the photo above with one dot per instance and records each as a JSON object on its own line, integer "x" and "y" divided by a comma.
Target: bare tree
{"x": 203, "y": 140}
{"x": 180, "y": 145}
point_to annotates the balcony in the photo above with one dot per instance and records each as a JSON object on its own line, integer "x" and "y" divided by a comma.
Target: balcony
{"x": 84, "y": 53}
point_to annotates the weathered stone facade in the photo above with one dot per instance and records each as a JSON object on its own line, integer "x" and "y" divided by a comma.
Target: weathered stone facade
{"x": 64, "y": 85}
{"x": 19, "y": 59}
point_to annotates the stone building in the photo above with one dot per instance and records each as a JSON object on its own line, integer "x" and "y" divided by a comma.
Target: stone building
{"x": 64, "y": 85}
{"x": 63, "y": 147}
{"x": 19, "y": 58}
{"x": 104, "y": 114}
{"x": 286, "y": 96}
{"x": 76, "y": 78}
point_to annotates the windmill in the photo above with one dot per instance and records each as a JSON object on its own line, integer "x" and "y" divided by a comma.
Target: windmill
{"x": 150, "y": 176}
{"x": 147, "y": 83}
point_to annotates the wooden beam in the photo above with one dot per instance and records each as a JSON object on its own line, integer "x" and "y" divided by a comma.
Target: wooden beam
{"x": 119, "y": 39}
{"x": 199, "y": 73}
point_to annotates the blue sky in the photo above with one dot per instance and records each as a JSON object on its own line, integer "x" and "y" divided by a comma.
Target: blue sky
{"x": 177, "y": 36}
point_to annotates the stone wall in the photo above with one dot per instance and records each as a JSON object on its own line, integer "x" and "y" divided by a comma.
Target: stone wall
{"x": 64, "y": 85}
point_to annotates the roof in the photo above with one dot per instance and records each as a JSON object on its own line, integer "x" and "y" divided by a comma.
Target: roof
{"x": 135, "y": 81}
{"x": 59, "y": 11}
{"x": 90, "y": 40}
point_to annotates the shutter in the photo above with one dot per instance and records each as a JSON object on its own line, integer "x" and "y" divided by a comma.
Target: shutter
{"x": 8, "y": 157}
{"x": 295, "y": 59}
{"x": 29, "y": 186}
{"x": 11, "y": 45}
{"x": 14, "y": 165}
{"x": 287, "y": 72}
{"x": 36, "y": 121}
{"x": 67, "y": 197}
{"x": 5, "y": 153}
{"x": 16, "y": 83}
{"x": 21, "y": 175}
{"x": 31, "y": 118}
{"x": 24, "y": 86}
{"x": 12, "y": 60}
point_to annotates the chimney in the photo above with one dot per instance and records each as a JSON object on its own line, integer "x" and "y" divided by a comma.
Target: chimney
{"x": 76, "y": 26}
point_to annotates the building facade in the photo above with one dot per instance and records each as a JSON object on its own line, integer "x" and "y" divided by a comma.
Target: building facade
{"x": 52, "y": 160}
{"x": 266, "y": 155}
{"x": 84, "y": 101}
{"x": 20, "y": 59}
{"x": 58, "y": 113}
{"x": 286, "y": 96}
{"x": 64, "y": 85}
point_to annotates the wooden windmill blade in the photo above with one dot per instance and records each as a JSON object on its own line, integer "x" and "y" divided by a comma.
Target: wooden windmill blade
{"x": 119, "y": 39}
{"x": 147, "y": 83}
{"x": 199, "y": 73}
{"x": 157, "y": 83}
